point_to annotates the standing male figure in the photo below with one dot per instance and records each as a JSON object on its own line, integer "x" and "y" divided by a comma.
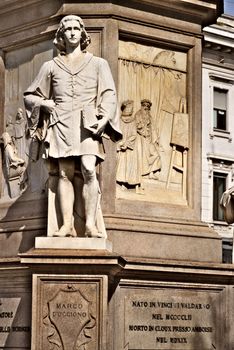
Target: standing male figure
{"x": 76, "y": 93}
{"x": 148, "y": 148}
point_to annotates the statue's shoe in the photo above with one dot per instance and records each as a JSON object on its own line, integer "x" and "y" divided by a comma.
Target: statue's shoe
{"x": 65, "y": 231}
{"x": 94, "y": 233}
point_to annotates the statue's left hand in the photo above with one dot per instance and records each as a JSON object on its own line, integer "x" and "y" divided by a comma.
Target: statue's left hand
{"x": 100, "y": 126}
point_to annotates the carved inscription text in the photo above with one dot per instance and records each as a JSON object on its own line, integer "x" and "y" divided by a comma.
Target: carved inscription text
{"x": 161, "y": 321}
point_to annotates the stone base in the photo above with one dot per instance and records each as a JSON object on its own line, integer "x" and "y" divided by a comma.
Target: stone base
{"x": 171, "y": 240}
{"x": 73, "y": 243}
{"x": 152, "y": 304}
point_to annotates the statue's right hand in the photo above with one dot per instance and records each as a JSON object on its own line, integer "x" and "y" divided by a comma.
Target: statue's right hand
{"x": 48, "y": 106}
{"x": 123, "y": 147}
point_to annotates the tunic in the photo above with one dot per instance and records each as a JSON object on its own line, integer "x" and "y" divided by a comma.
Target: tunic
{"x": 80, "y": 96}
{"x": 129, "y": 162}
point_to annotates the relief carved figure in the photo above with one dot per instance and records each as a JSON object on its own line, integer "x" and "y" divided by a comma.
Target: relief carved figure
{"x": 72, "y": 102}
{"x": 14, "y": 165}
{"x": 138, "y": 154}
{"x": 20, "y": 132}
{"x": 128, "y": 166}
{"x": 150, "y": 158}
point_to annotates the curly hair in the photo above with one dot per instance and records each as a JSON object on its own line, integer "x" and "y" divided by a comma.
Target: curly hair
{"x": 145, "y": 100}
{"x": 59, "y": 38}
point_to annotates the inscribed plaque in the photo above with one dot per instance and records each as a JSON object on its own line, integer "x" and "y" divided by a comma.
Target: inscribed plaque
{"x": 171, "y": 319}
{"x": 69, "y": 312}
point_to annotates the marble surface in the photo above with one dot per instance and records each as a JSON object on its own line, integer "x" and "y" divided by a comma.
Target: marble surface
{"x": 73, "y": 243}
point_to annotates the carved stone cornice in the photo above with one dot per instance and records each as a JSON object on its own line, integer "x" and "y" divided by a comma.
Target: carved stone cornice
{"x": 218, "y": 38}
{"x": 197, "y": 11}
{"x": 219, "y": 43}
{"x": 31, "y": 20}
{"x": 203, "y": 11}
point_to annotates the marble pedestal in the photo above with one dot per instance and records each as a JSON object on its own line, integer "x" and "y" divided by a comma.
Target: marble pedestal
{"x": 139, "y": 303}
{"x": 73, "y": 243}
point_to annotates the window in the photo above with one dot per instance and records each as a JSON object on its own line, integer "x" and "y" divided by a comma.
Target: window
{"x": 227, "y": 250}
{"x": 219, "y": 186}
{"x": 220, "y": 109}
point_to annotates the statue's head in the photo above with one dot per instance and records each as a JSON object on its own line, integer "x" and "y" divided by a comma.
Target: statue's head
{"x": 146, "y": 104}
{"x": 6, "y": 139}
{"x": 127, "y": 107}
{"x": 9, "y": 120}
{"x": 59, "y": 36}
{"x": 19, "y": 114}
{"x": 126, "y": 104}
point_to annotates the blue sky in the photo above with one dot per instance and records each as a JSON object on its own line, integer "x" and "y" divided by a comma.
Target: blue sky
{"x": 229, "y": 7}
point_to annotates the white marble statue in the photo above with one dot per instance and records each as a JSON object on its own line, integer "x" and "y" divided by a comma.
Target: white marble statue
{"x": 70, "y": 105}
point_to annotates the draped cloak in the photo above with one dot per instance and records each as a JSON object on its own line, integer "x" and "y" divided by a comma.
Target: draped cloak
{"x": 80, "y": 95}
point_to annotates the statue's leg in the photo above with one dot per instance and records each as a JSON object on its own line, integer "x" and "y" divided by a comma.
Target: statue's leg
{"x": 90, "y": 194}
{"x": 66, "y": 196}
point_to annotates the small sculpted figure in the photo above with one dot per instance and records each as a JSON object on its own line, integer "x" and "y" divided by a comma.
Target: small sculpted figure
{"x": 128, "y": 167}
{"x": 20, "y": 132}
{"x": 13, "y": 161}
{"x": 14, "y": 166}
{"x": 148, "y": 148}
{"x": 70, "y": 105}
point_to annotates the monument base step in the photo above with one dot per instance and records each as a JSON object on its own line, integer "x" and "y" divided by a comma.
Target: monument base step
{"x": 73, "y": 243}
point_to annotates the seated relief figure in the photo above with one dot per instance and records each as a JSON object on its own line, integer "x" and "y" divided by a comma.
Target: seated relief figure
{"x": 13, "y": 164}
{"x": 70, "y": 105}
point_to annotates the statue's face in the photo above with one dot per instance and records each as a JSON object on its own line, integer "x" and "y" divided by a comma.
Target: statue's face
{"x": 72, "y": 33}
{"x": 146, "y": 106}
{"x": 129, "y": 108}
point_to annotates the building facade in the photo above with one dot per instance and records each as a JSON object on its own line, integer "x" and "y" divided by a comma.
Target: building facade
{"x": 218, "y": 125}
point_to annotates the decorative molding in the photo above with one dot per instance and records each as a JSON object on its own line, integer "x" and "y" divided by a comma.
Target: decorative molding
{"x": 218, "y": 47}
{"x": 220, "y": 157}
{"x": 221, "y": 134}
{"x": 220, "y": 78}
{"x": 217, "y": 63}
{"x": 34, "y": 19}
{"x": 220, "y": 163}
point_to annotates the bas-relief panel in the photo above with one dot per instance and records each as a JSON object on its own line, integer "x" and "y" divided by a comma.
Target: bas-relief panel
{"x": 152, "y": 157}
{"x": 23, "y": 169}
